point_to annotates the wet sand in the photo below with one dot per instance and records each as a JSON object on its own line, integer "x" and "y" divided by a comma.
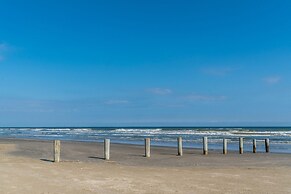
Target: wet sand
{"x": 26, "y": 167}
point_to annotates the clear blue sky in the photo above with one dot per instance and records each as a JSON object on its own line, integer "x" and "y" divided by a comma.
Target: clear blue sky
{"x": 108, "y": 63}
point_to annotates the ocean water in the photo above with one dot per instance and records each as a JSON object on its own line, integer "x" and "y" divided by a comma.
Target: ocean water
{"x": 280, "y": 137}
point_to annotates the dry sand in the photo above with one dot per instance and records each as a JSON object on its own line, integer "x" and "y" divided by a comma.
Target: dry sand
{"x": 26, "y": 167}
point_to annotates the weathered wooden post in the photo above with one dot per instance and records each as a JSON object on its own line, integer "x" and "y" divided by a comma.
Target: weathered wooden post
{"x": 224, "y": 146}
{"x": 106, "y": 149}
{"x": 267, "y": 145}
{"x": 180, "y": 146}
{"x": 241, "y": 145}
{"x": 254, "y": 145}
{"x": 147, "y": 147}
{"x": 57, "y": 150}
{"x": 205, "y": 146}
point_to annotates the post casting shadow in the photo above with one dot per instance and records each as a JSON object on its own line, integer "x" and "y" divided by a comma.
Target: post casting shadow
{"x": 46, "y": 160}
{"x": 96, "y": 157}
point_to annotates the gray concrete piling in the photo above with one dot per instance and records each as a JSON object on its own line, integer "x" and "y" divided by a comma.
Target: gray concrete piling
{"x": 254, "y": 145}
{"x": 224, "y": 146}
{"x": 147, "y": 147}
{"x": 267, "y": 145}
{"x": 57, "y": 150}
{"x": 180, "y": 146}
{"x": 241, "y": 145}
{"x": 106, "y": 149}
{"x": 205, "y": 146}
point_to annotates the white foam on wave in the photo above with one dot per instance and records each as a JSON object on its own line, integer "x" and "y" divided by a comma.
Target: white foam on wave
{"x": 38, "y": 129}
{"x": 185, "y": 132}
{"x": 262, "y": 133}
{"x": 82, "y": 129}
{"x": 195, "y": 132}
{"x": 50, "y": 129}
{"x": 122, "y": 130}
{"x": 49, "y": 135}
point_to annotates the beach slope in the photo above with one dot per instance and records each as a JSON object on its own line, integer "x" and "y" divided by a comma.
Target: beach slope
{"x": 26, "y": 167}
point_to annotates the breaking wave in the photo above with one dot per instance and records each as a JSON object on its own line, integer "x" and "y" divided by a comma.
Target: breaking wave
{"x": 192, "y": 137}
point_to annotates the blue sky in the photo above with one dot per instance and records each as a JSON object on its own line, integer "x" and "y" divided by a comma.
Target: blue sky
{"x": 145, "y": 63}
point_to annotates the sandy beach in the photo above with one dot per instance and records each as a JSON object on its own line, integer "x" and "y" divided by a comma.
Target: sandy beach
{"x": 26, "y": 167}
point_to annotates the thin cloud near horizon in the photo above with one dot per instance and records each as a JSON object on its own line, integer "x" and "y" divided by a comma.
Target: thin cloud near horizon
{"x": 3, "y": 48}
{"x": 201, "y": 97}
{"x": 272, "y": 80}
{"x": 218, "y": 71}
{"x": 116, "y": 102}
{"x": 160, "y": 91}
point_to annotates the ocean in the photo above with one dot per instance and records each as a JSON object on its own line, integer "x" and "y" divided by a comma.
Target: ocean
{"x": 280, "y": 137}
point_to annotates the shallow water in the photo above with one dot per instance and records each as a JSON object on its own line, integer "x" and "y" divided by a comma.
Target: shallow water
{"x": 280, "y": 137}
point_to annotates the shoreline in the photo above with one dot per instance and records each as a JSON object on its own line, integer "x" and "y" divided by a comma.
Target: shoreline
{"x": 128, "y": 154}
{"x": 211, "y": 147}
{"x": 167, "y": 137}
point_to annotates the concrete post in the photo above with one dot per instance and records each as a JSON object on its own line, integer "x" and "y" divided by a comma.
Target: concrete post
{"x": 205, "y": 146}
{"x": 147, "y": 147}
{"x": 224, "y": 146}
{"x": 267, "y": 145}
{"x": 180, "y": 146}
{"x": 106, "y": 149}
{"x": 57, "y": 150}
{"x": 254, "y": 145}
{"x": 241, "y": 145}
